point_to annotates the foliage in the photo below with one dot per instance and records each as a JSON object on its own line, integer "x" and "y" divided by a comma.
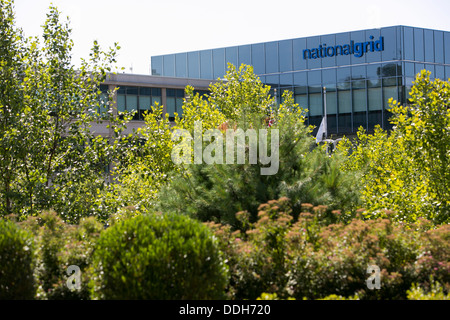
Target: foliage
{"x": 436, "y": 293}
{"x": 58, "y": 246}
{"x": 407, "y": 170}
{"x": 16, "y": 262}
{"x": 154, "y": 256}
{"x": 49, "y": 157}
{"x": 319, "y": 255}
{"x": 305, "y": 174}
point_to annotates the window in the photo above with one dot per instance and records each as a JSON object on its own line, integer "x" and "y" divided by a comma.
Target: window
{"x": 174, "y": 98}
{"x": 139, "y": 99}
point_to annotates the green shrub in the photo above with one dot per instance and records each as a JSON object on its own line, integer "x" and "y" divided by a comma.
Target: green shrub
{"x": 312, "y": 258}
{"x": 156, "y": 256}
{"x": 16, "y": 262}
{"x": 436, "y": 292}
{"x": 60, "y": 245}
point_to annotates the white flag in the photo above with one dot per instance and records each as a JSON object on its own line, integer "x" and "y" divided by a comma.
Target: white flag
{"x": 319, "y": 135}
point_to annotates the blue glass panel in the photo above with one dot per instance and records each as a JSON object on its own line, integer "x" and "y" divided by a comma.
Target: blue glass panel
{"x": 285, "y": 48}
{"x": 329, "y": 76}
{"x": 273, "y": 81}
{"x": 194, "y": 65}
{"x": 258, "y": 58}
{"x": 358, "y": 72}
{"x": 169, "y": 65}
{"x": 447, "y": 47}
{"x": 312, "y": 44}
{"x": 328, "y": 44}
{"x": 359, "y": 38}
{"x": 373, "y": 56}
{"x": 447, "y": 73}
{"x": 157, "y": 65}
{"x": 389, "y": 70}
{"x": 390, "y": 52}
{"x": 219, "y": 63}
{"x": 314, "y": 78}
{"x": 298, "y": 45}
{"x": 418, "y": 45}
{"x": 343, "y": 39}
{"x": 286, "y": 79}
{"x": 430, "y": 67}
{"x": 181, "y": 65}
{"x": 245, "y": 54}
{"x": 409, "y": 69}
{"x": 440, "y": 72}
{"x": 429, "y": 45}
{"x": 231, "y": 56}
{"x": 300, "y": 79}
{"x": 408, "y": 43}
{"x": 206, "y": 64}
{"x": 438, "y": 47}
{"x": 272, "y": 57}
{"x": 343, "y": 74}
{"x": 419, "y": 67}
{"x": 373, "y": 71}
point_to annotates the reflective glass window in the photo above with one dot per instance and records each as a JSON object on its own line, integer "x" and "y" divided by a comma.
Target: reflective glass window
{"x": 302, "y": 100}
{"x": 447, "y": 72}
{"x": 219, "y": 63}
{"x": 120, "y": 102}
{"x": 206, "y": 64}
{"x": 286, "y": 79}
{"x": 181, "y": 65}
{"x": 313, "y": 43}
{"x": 132, "y": 102}
{"x": 447, "y": 47}
{"x": 272, "y": 57}
{"x": 389, "y": 70}
{"x": 374, "y": 98}
{"x": 315, "y": 104}
{"x": 430, "y": 67}
{"x": 343, "y": 39}
{"x": 359, "y": 100}
{"x": 194, "y": 65}
{"x": 438, "y": 47}
{"x": 345, "y": 101}
{"x": 273, "y": 80}
{"x": 374, "y": 56}
{"x": 285, "y": 48}
{"x": 409, "y": 69}
{"x": 169, "y": 65}
{"x": 231, "y": 56}
{"x": 156, "y": 100}
{"x": 298, "y": 45}
{"x": 170, "y": 106}
{"x": 145, "y": 102}
{"x": 157, "y": 64}
{"x": 390, "y": 44}
{"x": 258, "y": 58}
{"x": 358, "y": 72}
{"x": 343, "y": 74}
{"x": 429, "y": 45}
{"x": 329, "y": 76}
{"x": 156, "y": 92}
{"x": 418, "y": 44}
{"x": 408, "y": 43}
{"x": 314, "y": 77}
{"x": 300, "y": 79}
{"x": 373, "y": 71}
{"x": 245, "y": 55}
{"x": 389, "y": 92}
{"x": 328, "y": 43}
{"x": 331, "y": 101}
{"x": 440, "y": 72}
{"x": 419, "y": 67}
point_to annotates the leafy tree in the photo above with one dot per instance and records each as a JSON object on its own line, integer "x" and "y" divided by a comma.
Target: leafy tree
{"x": 217, "y": 191}
{"x": 49, "y": 156}
{"x": 408, "y": 169}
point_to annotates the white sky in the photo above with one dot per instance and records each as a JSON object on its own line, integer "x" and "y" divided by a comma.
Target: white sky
{"x": 145, "y": 28}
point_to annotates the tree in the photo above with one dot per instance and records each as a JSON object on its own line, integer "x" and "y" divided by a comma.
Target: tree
{"x": 407, "y": 170}
{"x": 49, "y": 156}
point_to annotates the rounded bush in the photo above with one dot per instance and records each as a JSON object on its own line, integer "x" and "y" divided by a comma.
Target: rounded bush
{"x": 16, "y": 262}
{"x": 158, "y": 257}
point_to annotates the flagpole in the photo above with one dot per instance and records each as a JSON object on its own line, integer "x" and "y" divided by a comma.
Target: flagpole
{"x": 325, "y": 110}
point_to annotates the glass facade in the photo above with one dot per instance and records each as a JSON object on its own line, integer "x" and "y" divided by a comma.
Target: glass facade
{"x": 361, "y": 70}
{"x": 138, "y": 99}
